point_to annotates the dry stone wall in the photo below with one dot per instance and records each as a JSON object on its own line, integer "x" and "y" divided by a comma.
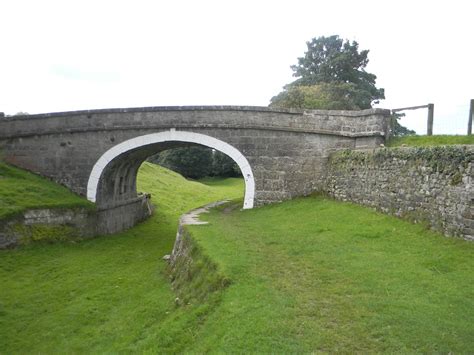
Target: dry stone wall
{"x": 432, "y": 185}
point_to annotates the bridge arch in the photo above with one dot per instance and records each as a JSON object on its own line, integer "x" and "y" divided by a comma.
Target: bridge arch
{"x": 172, "y": 136}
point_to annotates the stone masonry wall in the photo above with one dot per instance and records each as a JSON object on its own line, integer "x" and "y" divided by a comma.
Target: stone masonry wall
{"x": 124, "y": 216}
{"x": 68, "y": 224}
{"x": 433, "y": 185}
{"x": 47, "y": 225}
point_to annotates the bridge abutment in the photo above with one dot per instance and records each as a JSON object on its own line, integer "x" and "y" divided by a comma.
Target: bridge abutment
{"x": 125, "y": 215}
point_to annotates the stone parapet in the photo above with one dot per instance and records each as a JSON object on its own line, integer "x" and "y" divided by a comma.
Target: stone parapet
{"x": 372, "y": 122}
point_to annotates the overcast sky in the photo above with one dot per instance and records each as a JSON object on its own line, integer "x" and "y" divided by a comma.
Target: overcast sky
{"x": 69, "y": 55}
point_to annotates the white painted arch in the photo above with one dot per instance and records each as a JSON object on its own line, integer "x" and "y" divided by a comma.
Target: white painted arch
{"x": 173, "y": 136}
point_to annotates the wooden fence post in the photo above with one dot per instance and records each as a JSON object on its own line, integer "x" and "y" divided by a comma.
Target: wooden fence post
{"x": 469, "y": 121}
{"x": 430, "y": 119}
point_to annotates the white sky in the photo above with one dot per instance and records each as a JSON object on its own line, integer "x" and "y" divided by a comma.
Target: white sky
{"x": 69, "y": 55}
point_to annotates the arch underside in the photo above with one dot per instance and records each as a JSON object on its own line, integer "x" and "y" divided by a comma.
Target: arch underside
{"x": 113, "y": 177}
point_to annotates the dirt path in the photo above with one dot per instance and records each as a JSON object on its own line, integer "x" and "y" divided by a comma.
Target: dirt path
{"x": 192, "y": 217}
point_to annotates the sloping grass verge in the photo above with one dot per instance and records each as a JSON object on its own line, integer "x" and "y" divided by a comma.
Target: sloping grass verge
{"x": 423, "y": 141}
{"x": 109, "y": 294}
{"x": 21, "y": 190}
{"x": 315, "y": 275}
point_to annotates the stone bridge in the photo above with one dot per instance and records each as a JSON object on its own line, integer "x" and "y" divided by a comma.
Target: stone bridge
{"x": 97, "y": 153}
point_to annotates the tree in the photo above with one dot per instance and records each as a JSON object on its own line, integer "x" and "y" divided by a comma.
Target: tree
{"x": 321, "y": 96}
{"x": 196, "y": 162}
{"x": 223, "y": 165}
{"x": 396, "y": 129}
{"x": 337, "y": 69}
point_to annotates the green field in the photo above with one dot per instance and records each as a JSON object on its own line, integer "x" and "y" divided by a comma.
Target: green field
{"x": 306, "y": 275}
{"x": 423, "y": 141}
{"x": 20, "y": 190}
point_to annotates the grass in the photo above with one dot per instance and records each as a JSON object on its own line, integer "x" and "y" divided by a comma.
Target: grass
{"x": 303, "y": 276}
{"x": 107, "y": 294}
{"x": 423, "y": 141}
{"x": 319, "y": 275}
{"x": 21, "y": 190}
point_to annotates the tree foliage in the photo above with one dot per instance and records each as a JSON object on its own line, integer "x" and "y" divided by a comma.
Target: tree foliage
{"x": 224, "y": 166}
{"x": 396, "y": 129}
{"x": 321, "y": 96}
{"x": 336, "y": 70}
{"x": 196, "y": 162}
{"x": 192, "y": 162}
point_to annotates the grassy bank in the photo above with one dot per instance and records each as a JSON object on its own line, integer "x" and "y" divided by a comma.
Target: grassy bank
{"x": 21, "y": 190}
{"x": 424, "y": 141}
{"x": 318, "y": 275}
{"x": 303, "y": 276}
{"x": 108, "y": 294}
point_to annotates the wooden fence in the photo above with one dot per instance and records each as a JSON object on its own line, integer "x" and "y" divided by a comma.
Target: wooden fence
{"x": 430, "y": 107}
{"x": 471, "y": 114}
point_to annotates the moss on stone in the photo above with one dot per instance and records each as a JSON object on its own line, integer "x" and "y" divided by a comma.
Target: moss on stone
{"x": 43, "y": 233}
{"x": 443, "y": 159}
{"x": 456, "y": 179}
